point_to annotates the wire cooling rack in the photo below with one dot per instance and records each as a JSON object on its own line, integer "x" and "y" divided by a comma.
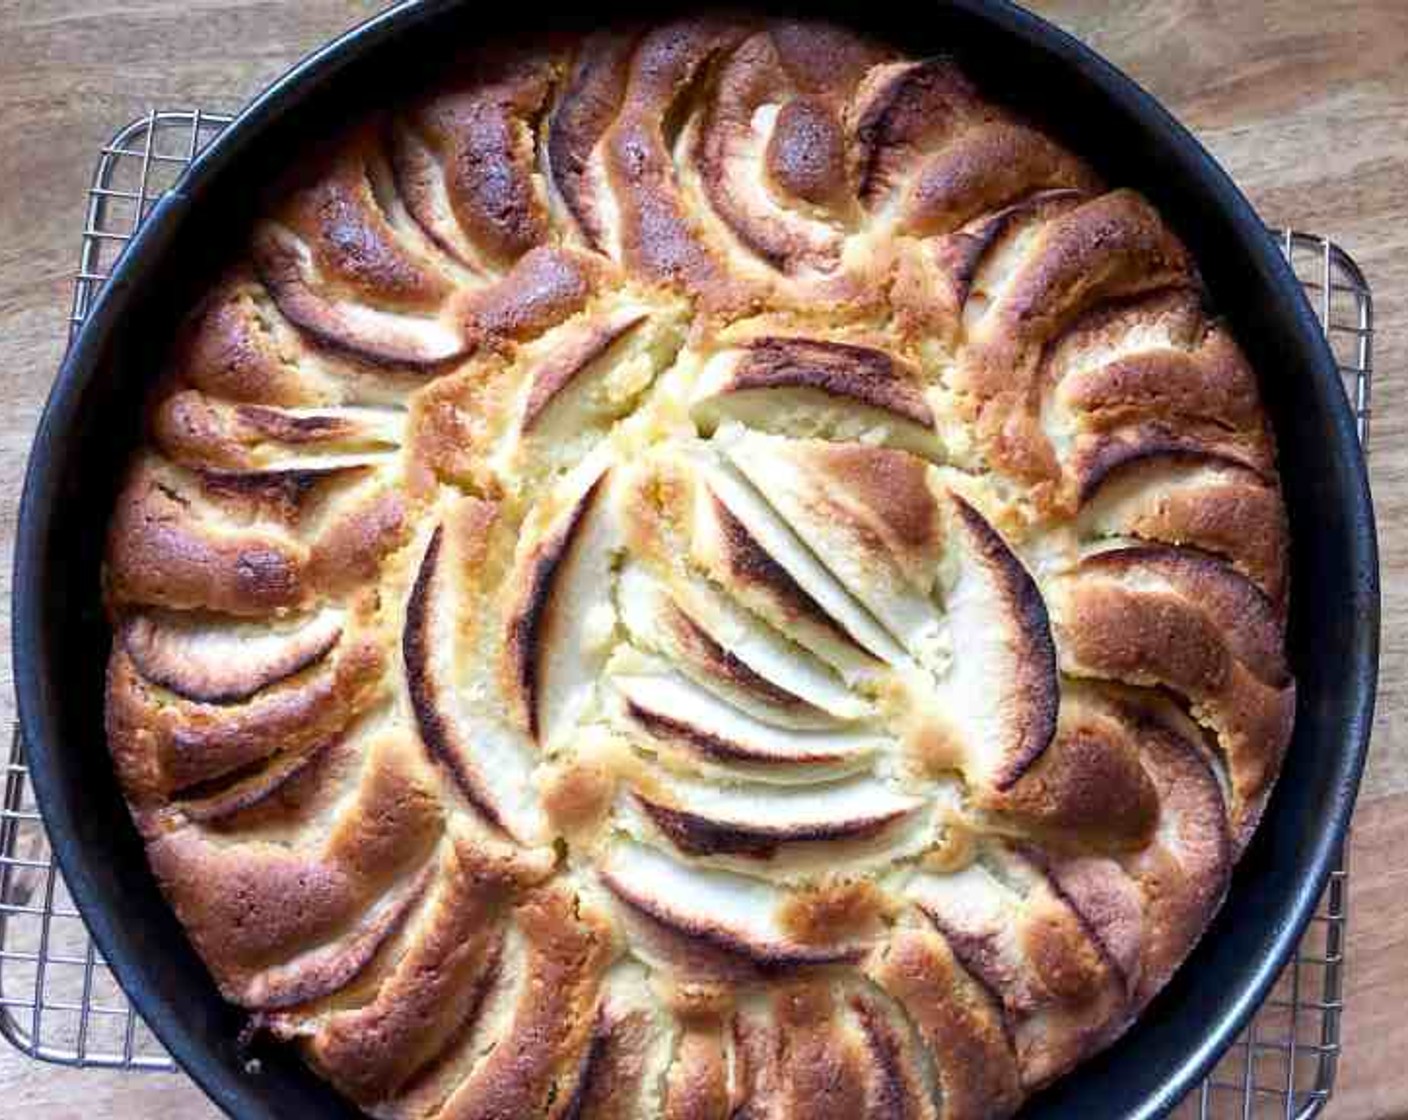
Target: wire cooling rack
{"x": 60, "y": 1003}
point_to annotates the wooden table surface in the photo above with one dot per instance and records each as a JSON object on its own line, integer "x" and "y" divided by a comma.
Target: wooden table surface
{"x": 1305, "y": 103}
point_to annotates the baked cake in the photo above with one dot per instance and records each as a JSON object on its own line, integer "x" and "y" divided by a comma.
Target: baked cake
{"x": 701, "y": 571}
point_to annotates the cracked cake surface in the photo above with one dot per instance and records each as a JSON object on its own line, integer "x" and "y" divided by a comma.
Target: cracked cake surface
{"x": 699, "y": 571}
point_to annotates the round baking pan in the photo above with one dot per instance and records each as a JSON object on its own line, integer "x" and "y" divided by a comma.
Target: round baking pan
{"x": 92, "y": 422}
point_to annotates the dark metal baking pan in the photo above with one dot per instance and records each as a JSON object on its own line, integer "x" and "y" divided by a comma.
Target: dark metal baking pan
{"x": 91, "y": 423}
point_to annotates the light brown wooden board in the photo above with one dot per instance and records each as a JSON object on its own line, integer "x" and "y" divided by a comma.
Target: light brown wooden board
{"x": 1305, "y": 103}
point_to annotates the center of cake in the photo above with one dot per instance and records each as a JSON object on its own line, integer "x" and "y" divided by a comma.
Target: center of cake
{"x": 715, "y": 619}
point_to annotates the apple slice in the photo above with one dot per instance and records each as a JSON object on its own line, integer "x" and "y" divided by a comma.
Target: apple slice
{"x": 670, "y": 709}
{"x": 287, "y": 267}
{"x": 713, "y": 911}
{"x": 723, "y": 650}
{"x": 218, "y": 660}
{"x": 1062, "y": 992}
{"x": 743, "y": 543}
{"x": 1001, "y": 693}
{"x": 463, "y": 727}
{"x": 560, "y": 624}
{"x": 812, "y": 387}
{"x": 755, "y": 822}
{"x": 867, "y": 513}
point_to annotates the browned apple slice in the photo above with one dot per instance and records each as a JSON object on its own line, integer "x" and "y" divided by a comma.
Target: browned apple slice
{"x": 289, "y": 269}
{"x": 1189, "y": 623}
{"x": 755, "y": 822}
{"x": 720, "y": 911}
{"x": 632, "y": 1046}
{"x": 1062, "y": 990}
{"x": 867, "y": 513}
{"x": 945, "y": 283}
{"x": 559, "y": 625}
{"x": 197, "y": 430}
{"x": 898, "y": 1078}
{"x": 751, "y": 141}
{"x": 582, "y": 380}
{"x": 659, "y": 239}
{"x": 1090, "y": 787}
{"x": 464, "y": 162}
{"x": 806, "y": 387}
{"x": 460, "y": 720}
{"x": 1158, "y": 358}
{"x": 959, "y": 1021}
{"x": 1000, "y": 694}
{"x": 223, "y": 661}
{"x": 165, "y": 743}
{"x": 1209, "y": 501}
{"x": 903, "y": 111}
{"x": 545, "y": 287}
{"x": 324, "y": 905}
{"x": 562, "y": 369}
{"x": 724, "y": 650}
{"x": 171, "y": 546}
{"x": 742, "y": 541}
{"x": 431, "y": 982}
{"x": 526, "y": 1045}
{"x": 672, "y": 710}
{"x": 585, "y": 110}
{"x": 983, "y": 170}
{"x": 1111, "y": 247}
{"x": 812, "y": 1045}
{"x": 1184, "y": 873}
{"x": 344, "y": 263}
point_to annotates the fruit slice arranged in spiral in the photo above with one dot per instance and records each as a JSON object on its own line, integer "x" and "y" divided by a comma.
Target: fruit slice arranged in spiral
{"x": 807, "y": 387}
{"x": 700, "y": 819}
{"x": 558, "y": 629}
{"x": 990, "y": 709}
{"x": 420, "y": 998}
{"x": 1190, "y": 624}
{"x": 704, "y": 569}
{"x": 675, "y": 713}
{"x": 742, "y": 540}
{"x": 769, "y": 153}
{"x": 293, "y": 893}
{"x": 447, "y": 643}
{"x": 1055, "y": 968}
{"x": 724, "y": 650}
{"x": 219, "y": 662}
{"x": 705, "y": 920}
{"x": 355, "y": 272}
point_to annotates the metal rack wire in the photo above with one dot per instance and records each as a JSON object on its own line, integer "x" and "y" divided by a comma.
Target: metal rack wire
{"x": 60, "y": 1003}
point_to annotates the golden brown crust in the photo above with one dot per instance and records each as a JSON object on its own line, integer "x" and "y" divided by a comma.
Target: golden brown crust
{"x": 375, "y": 1049}
{"x": 705, "y": 570}
{"x": 545, "y": 287}
{"x": 480, "y": 141}
{"x": 904, "y": 109}
{"x": 162, "y": 551}
{"x": 697, "y": 1088}
{"x": 1089, "y": 787}
{"x": 658, "y": 238}
{"x": 985, "y": 170}
{"x": 279, "y": 926}
{"x": 167, "y": 744}
{"x": 856, "y": 373}
{"x": 960, "y": 1027}
{"x": 588, "y": 105}
{"x": 1191, "y": 624}
{"x": 552, "y": 1021}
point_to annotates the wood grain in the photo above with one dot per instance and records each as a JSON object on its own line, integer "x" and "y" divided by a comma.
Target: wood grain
{"x": 1305, "y": 103}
